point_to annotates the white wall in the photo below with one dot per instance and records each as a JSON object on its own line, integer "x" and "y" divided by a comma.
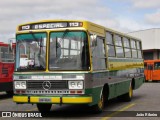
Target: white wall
{"x": 150, "y": 38}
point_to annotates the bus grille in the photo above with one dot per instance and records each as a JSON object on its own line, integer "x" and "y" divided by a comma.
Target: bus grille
{"x": 4, "y": 70}
{"x": 54, "y": 85}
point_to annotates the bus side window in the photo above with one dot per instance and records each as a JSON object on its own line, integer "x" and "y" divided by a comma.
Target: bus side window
{"x": 4, "y": 54}
{"x": 157, "y": 65}
{"x": 110, "y": 45}
{"x": 150, "y": 67}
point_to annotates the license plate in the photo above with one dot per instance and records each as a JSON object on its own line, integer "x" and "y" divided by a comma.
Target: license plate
{"x": 44, "y": 99}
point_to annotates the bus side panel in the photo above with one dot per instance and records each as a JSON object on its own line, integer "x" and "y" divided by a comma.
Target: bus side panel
{"x": 156, "y": 75}
{"x": 117, "y": 84}
{"x": 117, "y": 89}
{"x": 6, "y": 76}
{"x": 138, "y": 82}
{"x": 96, "y": 92}
{"x": 6, "y": 86}
{"x": 94, "y": 86}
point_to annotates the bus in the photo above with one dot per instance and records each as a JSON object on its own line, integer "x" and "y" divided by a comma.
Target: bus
{"x": 75, "y": 62}
{"x": 152, "y": 70}
{"x": 6, "y": 67}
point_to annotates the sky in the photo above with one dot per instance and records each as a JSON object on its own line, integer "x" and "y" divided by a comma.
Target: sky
{"x": 121, "y": 15}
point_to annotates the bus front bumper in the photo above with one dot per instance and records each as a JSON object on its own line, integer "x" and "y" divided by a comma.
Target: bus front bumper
{"x": 53, "y": 99}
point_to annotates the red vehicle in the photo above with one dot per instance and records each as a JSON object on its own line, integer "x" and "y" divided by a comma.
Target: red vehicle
{"x": 152, "y": 70}
{"x": 7, "y": 53}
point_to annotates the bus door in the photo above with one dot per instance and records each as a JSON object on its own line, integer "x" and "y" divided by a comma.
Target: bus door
{"x": 150, "y": 70}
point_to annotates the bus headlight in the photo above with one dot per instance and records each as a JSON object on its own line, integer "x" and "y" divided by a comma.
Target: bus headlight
{"x": 75, "y": 84}
{"x": 20, "y": 84}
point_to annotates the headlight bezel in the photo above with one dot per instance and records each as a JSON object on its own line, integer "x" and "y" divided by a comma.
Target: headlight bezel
{"x": 20, "y": 85}
{"x": 76, "y": 85}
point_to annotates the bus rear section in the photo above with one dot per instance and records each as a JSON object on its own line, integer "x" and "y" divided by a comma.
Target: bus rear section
{"x": 152, "y": 70}
{"x": 6, "y": 68}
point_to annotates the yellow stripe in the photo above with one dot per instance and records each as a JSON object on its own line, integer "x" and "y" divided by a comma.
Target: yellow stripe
{"x": 76, "y": 99}
{"x": 20, "y": 98}
{"x": 117, "y": 112}
{"x": 54, "y": 99}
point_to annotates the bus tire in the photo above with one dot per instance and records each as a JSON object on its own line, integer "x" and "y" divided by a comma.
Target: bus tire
{"x": 145, "y": 79}
{"x": 128, "y": 96}
{"x": 98, "y": 108}
{"x": 10, "y": 93}
{"x": 44, "y": 108}
{"x": 154, "y": 81}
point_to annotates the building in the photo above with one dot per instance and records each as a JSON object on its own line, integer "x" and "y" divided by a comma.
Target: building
{"x": 150, "y": 42}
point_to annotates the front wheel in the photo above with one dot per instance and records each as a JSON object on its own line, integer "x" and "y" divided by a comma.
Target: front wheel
{"x": 10, "y": 93}
{"x": 44, "y": 108}
{"x": 98, "y": 108}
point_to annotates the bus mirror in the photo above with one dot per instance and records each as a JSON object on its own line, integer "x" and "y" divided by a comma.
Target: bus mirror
{"x": 10, "y": 45}
{"x": 93, "y": 40}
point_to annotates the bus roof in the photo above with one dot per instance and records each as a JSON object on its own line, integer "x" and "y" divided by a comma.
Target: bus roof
{"x": 6, "y": 44}
{"x": 3, "y": 44}
{"x": 86, "y": 24}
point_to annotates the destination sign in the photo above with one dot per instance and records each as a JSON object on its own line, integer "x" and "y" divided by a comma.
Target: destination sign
{"x": 50, "y": 25}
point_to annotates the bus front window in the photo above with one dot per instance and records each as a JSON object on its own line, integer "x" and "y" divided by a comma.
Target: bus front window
{"x": 68, "y": 51}
{"x": 31, "y": 52}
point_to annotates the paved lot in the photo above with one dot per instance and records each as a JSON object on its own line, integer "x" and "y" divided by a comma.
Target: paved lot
{"x": 146, "y": 101}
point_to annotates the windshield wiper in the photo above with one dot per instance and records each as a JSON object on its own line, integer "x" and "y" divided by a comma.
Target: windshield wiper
{"x": 58, "y": 43}
{"x": 38, "y": 41}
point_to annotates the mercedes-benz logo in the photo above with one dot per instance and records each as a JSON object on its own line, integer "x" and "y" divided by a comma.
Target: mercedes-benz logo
{"x": 46, "y": 85}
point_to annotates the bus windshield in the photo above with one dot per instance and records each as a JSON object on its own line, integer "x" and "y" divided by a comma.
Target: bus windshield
{"x": 31, "y": 52}
{"x": 68, "y": 51}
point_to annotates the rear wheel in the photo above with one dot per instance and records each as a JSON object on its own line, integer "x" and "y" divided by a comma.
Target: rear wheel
{"x": 128, "y": 96}
{"x": 145, "y": 79}
{"x": 154, "y": 80}
{"x": 44, "y": 108}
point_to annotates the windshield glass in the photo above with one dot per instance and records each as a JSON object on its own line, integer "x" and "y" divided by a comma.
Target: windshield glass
{"x": 6, "y": 55}
{"x": 68, "y": 51}
{"x": 31, "y": 52}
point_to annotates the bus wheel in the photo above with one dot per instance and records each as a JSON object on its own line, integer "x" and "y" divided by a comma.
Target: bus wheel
{"x": 154, "y": 80}
{"x": 10, "y": 93}
{"x": 44, "y": 108}
{"x": 128, "y": 96}
{"x": 98, "y": 108}
{"x": 145, "y": 79}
